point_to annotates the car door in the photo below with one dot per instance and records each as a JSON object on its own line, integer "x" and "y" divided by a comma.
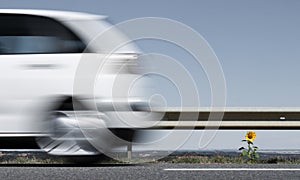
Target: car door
{"x": 38, "y": 59}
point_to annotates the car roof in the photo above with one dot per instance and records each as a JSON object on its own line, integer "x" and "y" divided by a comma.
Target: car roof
{"x": 59, "y": 15}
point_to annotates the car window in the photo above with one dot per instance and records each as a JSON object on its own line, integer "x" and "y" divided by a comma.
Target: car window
{"x": 26, "y": 34}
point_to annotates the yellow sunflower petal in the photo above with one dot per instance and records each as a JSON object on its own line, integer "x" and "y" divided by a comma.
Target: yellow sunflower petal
{"x": 250, "y": 136}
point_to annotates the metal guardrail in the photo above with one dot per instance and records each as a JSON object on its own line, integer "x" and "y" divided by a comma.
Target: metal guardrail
{"x": 233, "y": 118}
{"x": 227, "y": 125}
{"x": 287, "y": 118}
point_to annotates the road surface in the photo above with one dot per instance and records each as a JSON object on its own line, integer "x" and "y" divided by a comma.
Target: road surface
{"x": 151, "y": 171}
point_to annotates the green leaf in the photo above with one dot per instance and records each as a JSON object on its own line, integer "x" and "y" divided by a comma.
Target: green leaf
{"x": 244, "y": 152}
{"x": 256, "y": 155}
{"x": 241, "y": 148}
{"x": 250, "y": 142}
{"x": 255, "y": 147}
{"x": 244, "y": 140}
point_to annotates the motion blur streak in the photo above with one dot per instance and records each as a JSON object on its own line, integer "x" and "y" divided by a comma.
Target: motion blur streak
{"x": 39, "y": 54}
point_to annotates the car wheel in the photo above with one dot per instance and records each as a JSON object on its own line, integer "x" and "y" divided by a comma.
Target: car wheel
{"x": 65, "y": 137}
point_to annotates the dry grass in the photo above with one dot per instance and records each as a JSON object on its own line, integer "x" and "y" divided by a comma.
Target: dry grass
{"x": 42, "y": 158}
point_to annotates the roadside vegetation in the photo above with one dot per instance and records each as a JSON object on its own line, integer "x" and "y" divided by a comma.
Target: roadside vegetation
{"x": 223, "y": 158}
{"x": 230, "y": 159}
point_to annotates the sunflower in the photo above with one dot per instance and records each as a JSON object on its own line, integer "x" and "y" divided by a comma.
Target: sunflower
{"x": 250, "y": 136}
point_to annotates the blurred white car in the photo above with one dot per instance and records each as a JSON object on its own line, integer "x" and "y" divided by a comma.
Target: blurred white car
{"x": 40, "y": 82}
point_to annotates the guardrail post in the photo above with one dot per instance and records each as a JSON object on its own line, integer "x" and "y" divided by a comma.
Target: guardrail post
{"x": 129, "y": 151}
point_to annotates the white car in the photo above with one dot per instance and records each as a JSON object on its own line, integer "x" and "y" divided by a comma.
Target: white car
{"x": 45, "y": 58}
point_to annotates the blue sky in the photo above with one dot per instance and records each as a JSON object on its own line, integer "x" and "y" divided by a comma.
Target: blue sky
{"x": 257, "y": 42}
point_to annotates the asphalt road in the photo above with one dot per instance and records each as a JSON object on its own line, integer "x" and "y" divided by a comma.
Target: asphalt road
{"x": 152, "y": 171}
